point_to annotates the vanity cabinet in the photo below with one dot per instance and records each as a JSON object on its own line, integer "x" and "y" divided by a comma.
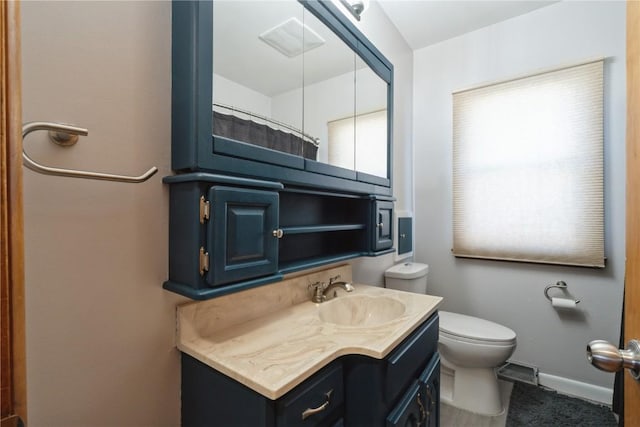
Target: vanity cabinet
{"x": 384, "y": 392}
{"x": 210, "y": 398}
{"x": 420, "y": 404}
{"x": 228, "y": 233}
{"x": 355, "y": 391}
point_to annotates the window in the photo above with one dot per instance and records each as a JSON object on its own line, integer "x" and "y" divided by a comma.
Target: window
{"x": 360, "y": 143}
{"x": 528, "y": 168}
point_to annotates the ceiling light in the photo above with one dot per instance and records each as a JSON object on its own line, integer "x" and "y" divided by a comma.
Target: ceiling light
{"x": 356, "y": 7}
{"x": 292, "y": 38}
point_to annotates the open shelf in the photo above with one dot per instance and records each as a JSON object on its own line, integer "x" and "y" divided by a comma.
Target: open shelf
{"x": 322, "y": 228}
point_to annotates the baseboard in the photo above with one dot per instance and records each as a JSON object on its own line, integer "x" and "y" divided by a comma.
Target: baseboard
{"x": 575, "y": 388}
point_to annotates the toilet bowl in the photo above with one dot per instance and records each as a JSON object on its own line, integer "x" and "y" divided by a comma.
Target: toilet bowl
{"x": 470, "y": 348}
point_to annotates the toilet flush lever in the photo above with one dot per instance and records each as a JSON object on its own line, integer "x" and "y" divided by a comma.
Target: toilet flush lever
{"x": 606, "y": 357}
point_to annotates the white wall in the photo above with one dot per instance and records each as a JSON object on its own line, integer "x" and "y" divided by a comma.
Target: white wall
{"x": 511, "y": 293}
{"x": 385, "y": 36}
{"x": 329, "y": 100}
{"x": 230, "y": 93}
{"x": 100, "y": 328}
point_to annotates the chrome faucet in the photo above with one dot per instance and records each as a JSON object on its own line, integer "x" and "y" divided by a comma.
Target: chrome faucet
{"x": 320, "y": 290}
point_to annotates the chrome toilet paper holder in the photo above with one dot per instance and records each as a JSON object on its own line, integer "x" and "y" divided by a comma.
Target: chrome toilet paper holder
{"x": 560, "y": 285}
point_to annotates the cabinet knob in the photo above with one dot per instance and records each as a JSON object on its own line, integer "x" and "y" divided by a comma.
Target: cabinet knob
{"x": 278, "y": 233}
{"x": 380, "y": 225}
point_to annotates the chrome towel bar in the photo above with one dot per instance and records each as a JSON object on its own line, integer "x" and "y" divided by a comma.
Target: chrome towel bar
{"x": 67, "y": 135}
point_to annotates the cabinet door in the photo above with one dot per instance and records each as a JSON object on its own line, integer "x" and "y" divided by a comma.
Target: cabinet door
{"x": 383, "y": 224}
{"x": 410, "y": 412}
{"x": 430, "y": 385}
{"x": 241, "y": 234}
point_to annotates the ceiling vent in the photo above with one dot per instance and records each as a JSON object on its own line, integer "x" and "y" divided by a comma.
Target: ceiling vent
{"x": 292, "y": 38}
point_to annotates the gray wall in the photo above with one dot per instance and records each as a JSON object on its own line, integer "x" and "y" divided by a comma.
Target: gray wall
{"x": 100, "y": 328}
{"x": 511, "y": 293}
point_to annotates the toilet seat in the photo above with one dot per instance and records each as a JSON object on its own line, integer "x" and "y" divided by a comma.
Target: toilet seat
{"x": 474, "y": 330}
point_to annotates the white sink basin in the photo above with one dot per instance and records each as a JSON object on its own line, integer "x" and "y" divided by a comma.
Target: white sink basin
{"x": 361, "y": 310}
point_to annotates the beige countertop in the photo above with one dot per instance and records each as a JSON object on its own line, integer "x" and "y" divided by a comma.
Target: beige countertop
{"x": 273, "y": 337}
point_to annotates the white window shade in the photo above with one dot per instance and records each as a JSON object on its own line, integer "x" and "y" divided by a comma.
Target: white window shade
{"x": 341, "y": 142}
{"x": 528, "y": 169}
{"x": 360, "y": 142}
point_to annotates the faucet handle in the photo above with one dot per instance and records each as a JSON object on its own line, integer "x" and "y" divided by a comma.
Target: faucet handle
{"x": 333, "y": 279}
{"x": 317, "y": 291}
{"x": 316, "y": 285}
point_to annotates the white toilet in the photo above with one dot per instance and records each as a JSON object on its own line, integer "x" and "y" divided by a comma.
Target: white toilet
{"x": 470, "y": 348}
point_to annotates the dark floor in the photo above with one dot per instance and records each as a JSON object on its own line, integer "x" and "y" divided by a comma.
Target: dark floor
{"x": 536, "y": 406}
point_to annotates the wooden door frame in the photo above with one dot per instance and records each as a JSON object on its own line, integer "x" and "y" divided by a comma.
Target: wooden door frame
{"x": 12, "y": 225}
{"x": 632, "y": 274}
{"x": 14, "y": 378}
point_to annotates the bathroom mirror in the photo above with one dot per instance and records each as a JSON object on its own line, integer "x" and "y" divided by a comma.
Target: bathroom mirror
{"x": 284, "y": 90}
{"x": 284, "y": 81}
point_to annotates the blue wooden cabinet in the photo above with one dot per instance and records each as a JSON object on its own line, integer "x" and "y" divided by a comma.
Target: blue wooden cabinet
{"x": 244, "y": 214}
{"x": 229, "y": 233}
{"x": 405, "y": 235}
{"x": 196, "y": 146}
{"x": 354, "y": 391}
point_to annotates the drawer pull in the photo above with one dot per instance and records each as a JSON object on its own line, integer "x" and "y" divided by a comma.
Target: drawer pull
{"x": 311, "y": 411}
{"x": 432, "y": 401}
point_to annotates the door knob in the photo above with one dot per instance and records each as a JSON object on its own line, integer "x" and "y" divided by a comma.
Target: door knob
{"x": 607, "y": 357}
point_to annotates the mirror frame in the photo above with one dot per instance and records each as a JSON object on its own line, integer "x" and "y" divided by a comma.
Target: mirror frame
{"x": 195, "y": 148}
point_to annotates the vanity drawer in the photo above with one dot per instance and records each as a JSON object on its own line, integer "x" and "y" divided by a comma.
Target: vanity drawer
{"x": 411, "y": 356}
{"x": 319, "y": 402}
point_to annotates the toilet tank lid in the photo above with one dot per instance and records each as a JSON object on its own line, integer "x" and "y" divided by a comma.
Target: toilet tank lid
{"x": 407, "y": 270}
{"x": 474, "y": 328}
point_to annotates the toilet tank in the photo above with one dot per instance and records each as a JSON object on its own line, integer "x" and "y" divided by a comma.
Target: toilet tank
{"x": 409, "y": 276}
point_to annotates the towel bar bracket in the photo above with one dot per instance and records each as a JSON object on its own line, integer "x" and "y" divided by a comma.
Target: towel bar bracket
{"x": 63, "y": 139}
{"x": 67, "y": 135}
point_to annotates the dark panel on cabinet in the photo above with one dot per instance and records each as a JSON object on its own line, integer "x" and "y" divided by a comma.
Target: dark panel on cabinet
{"x": 208, "y": 398}
{"x": 302, "y": 209}
{"x": 327, "y": 169}
{"x": 406, "y": 360}
{"x": 410, "y": 410}
{"x": 430, "y": 386}
{"x": 383, "y": 221}
{"x": 191, "y": 51}
{"x": 385, "y": 381}
{"x": 301, "y": 247}
{"x": 240, "y": 234}
{"x": 251, "y": 152}
{"x": 405, "y": 235}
